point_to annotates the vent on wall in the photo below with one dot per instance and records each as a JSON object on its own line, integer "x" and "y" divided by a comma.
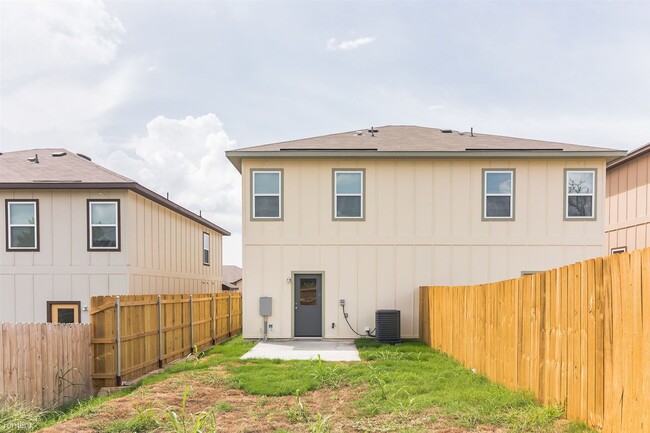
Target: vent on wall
{"x": 387, "y": 323}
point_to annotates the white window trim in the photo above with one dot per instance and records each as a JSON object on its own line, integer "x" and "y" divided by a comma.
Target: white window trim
{"x": 618, "y": 250}
{"x": 360, "y": 195}
{"x": 279, "y": 195}
{"x": 91, "y": 225}
{"x": 206, "y": 249}
{"x": 511, "y": 195}
{"x": 592, "y": 194}
{"x": 10, "y": 226}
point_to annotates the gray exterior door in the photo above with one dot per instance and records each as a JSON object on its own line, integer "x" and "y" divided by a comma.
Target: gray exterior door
{"x": 308, "y": 302}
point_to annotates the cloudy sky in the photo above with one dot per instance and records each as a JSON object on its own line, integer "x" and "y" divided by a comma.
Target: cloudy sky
{"x": 158, "y": 91}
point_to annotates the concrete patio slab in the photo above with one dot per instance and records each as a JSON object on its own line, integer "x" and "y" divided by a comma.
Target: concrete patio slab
{"x": 339, "y": 350}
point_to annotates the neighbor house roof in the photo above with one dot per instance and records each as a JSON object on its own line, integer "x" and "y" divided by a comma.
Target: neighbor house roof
{"x": 416, "y": 141}
{"x": 62, "y": 169}
{"x": 231, "y": 273}
{"x": 630, "y": 156}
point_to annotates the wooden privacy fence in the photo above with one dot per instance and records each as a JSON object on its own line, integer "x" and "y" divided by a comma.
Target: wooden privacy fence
{"x": 44, "y": 363}
{"x": 135, "y": 334}
{"x": 578, "y": 335}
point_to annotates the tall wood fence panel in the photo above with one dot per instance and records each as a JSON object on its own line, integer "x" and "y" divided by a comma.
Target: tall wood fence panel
{"x": 135, "y": 334}
{"x": 45, "y": 364}
{"x": 578, "y": 335}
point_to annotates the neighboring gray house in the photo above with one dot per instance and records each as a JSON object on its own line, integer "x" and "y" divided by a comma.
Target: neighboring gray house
{"x": 231, "y": 277}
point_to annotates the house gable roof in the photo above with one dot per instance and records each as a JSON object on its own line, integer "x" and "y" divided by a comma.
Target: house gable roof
{"x": 632, "y": 155}
{"x": 61, "y": 169}
{"x": 231, "y": 274}
{"x": 416, "y": 141}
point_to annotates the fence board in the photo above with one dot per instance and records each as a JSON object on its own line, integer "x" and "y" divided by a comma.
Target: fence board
{"x": 38, "y": 359}
{"x": 183, "y": 327}
{"x": 578, "y": 335}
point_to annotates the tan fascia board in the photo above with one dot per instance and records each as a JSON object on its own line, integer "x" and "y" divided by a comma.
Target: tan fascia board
{"x": 131, "y": 186}
{"x": 633, "y": 154}
{"x": 235, "y": 157}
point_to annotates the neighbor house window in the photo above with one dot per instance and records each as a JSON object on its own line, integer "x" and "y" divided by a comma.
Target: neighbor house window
{"x": 22, "y": 225}
{"x": 63, "y": 312}
{"x": 619, "y": 250}
{"x": 103, "y": 225}
{"x": 348, "y": 194}
{"x": 267, "y": 194}
{"x": 498, "y": 194}
{"x": 580, "y": 199}
{"x": 206, "y": 249}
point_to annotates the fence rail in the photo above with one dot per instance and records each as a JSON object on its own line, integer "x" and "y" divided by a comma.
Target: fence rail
{"x": 44, "y": 363}
{"x": 578, "y": 335}
{"x": 135, "y": 334}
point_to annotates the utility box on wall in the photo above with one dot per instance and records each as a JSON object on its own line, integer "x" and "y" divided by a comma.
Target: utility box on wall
{"x": 265, "y": 305}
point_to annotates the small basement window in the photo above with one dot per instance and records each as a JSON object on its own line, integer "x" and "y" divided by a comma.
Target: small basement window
{"x": 63, "y": 312}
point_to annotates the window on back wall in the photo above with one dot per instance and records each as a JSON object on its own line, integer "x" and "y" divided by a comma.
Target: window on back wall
{"x": 266, "y": 194}
{"x": 103, "y": 225}
{"x": 22, "y": 225}
{"x": 348, "y": 194}
{"x": 498, "y": 194}
{"x": 206, "y": 249}
{"x": 580, "y": 187}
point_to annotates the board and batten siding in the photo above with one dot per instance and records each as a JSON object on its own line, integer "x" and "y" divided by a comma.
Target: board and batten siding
{"x": 161, "y": 252}
{"x": 422, "y": 226}
{"x": 166, "y": 252}
{"x": 628, "y": 213}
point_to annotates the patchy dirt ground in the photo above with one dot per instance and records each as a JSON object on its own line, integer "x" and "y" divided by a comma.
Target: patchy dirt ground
{"x": 239, "y": 412}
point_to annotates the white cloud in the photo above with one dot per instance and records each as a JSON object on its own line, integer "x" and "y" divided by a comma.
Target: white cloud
{"x": 185, "y": 158}
{"x": 332, "y": 45}
{"x": 48, "y": 36}
{"x": 61, "y": 70}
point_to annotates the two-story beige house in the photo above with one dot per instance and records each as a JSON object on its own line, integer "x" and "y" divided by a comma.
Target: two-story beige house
{"x": 628, "y": 202}
{"x": 72, "y": 229}
{"x": 368, "y": 216}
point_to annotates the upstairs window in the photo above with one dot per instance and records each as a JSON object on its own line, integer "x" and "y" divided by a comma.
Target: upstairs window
{"x": 206, "y": 248}
{"x": 22, "y": 225}
{"x": 348, "y": 194}
{"x": 498, "y": 194}
{"x": 580, "y": 194}
{"x": 267, "y": 194}
{"x": 103, "y": 225}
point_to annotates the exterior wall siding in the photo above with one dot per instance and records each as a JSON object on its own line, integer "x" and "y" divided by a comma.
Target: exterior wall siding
{"x": 422, "y": 226}
{"x": 161, "y": 252}
{"x": 628, "y": 216}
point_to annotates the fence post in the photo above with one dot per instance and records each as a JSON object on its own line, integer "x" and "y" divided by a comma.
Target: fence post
{"x": 229, "y": 314}
{"x": 160, "y": 353}
{"x": 212, "y": 321}
{"x": 191, "y": 325}
{"x": 118, "y": 372}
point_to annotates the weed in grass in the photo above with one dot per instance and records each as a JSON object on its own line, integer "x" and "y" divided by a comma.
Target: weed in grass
{"x": 17, "y": 416}
{"x": 377, "y": 378}
{"x": 321, "y": 424}
{"x": 184, "y": 422}
{"x": 142, "y": 422}
{"x": 579, "y": 427}
{"x": 327, "y": 375}
{"x": 223, "y": 406}
{"x": 299, "y": 412}
{"x": 263, "y": 401}
{"x": 263, "y": 377}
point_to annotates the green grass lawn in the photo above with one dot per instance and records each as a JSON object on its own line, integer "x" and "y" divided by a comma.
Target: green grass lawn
{"x": 406, "y": 388}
